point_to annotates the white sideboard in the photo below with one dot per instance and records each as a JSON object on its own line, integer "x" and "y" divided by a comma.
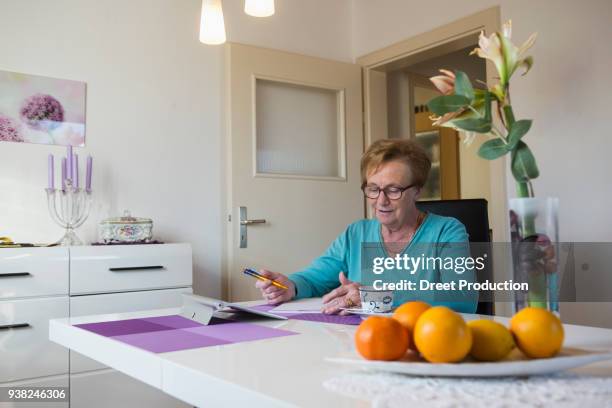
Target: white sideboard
{"x": 38, "y": 284}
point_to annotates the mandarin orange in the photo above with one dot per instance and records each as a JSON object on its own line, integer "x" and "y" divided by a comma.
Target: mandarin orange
{"x": 408, "y": 314}
{"x": 441, "y": 335}
{"x": 381, "y": 338}
{"x": 538, "y": 333}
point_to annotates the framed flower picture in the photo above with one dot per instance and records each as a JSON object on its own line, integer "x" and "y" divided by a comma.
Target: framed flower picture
{"x": 37, "y": 109}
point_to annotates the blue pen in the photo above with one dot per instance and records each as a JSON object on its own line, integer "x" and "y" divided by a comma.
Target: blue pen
{"x": 259, "y": 276}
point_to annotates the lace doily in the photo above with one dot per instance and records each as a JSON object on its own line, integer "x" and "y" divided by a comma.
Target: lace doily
{"x": 395, "y": 390}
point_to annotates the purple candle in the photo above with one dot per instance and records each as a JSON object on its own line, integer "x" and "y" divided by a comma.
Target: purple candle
{"x": 75, "y": 171}
{"x": 63, "y": 173}
{"x": 88, "y": 173}
{"x": 69, "y": 162}
{"x": 51, "y": 184}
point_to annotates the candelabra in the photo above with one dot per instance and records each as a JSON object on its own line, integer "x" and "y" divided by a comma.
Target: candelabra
{"x": 69, "y": 208}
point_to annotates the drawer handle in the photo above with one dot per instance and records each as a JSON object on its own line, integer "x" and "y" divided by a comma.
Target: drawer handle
{"x": 14, "y": 274}
{"x": 15, "y": 326}
{"x": 135, "y": 268}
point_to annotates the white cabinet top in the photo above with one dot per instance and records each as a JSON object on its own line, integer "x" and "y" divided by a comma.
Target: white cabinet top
{"x": 78, "y": 270}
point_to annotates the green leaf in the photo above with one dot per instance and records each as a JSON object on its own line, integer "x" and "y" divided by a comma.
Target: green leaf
{"x": 463, "y": 86}
{"x": 478, "y": 103}
{"x": 447, "y": 103}
{"x": 492, "y": 149}
{"x": 523, "y": 165}
{"x": 477, "y": 125}
{"x": 517, "y": 130}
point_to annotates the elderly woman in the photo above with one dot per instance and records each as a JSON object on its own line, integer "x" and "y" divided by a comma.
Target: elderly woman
{"x": 393, "y": 172}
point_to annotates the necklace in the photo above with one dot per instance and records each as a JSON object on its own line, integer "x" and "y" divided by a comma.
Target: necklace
{"x": 392, "y": 246}
{"x": 419, "y": 221}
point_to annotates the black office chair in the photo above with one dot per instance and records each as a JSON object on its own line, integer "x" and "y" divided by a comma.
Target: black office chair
{"x": 474, "y": 215}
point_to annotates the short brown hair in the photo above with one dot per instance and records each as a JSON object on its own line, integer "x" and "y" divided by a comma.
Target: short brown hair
{"x": 403, "y": 150}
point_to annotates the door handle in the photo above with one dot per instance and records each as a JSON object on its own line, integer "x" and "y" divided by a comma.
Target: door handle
{"x": 244, "y": 222}
{"x": 249, "y": 222}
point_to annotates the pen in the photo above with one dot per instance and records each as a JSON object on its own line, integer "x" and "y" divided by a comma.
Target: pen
{"x": 259, "y": 276}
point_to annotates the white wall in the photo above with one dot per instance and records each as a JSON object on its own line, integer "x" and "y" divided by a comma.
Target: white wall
{"x": 154, "y": 108}
{"x": 320, "y": 28}
{"x": 153, "y": 118}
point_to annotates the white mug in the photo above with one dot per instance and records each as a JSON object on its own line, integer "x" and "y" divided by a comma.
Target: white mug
{"x": 375, "y": 301}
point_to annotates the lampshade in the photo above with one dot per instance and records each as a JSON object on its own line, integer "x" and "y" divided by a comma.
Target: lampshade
{"x": 212, "y": 26}
{"x": 259, "y": 8}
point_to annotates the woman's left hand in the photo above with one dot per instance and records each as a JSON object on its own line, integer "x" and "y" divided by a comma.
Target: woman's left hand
{"x": 344, "y": 296}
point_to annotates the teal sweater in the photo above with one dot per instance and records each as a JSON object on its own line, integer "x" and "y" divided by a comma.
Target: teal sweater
{"x": 354, "y": 250}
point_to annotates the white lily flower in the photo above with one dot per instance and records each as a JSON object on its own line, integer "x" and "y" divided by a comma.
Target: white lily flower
{"x": 468, "y": 137}
{"x": 507, "y": 29}
{"x": 490, "y": 48}
{"x": 506, "y": 56}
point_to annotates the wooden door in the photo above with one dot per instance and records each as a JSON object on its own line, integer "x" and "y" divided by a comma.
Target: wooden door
{"x": 294, "y": 142}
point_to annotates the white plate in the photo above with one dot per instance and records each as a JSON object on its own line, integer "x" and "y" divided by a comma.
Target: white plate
{"x": 515, "y": 365}
{"x": 365, "y": 313}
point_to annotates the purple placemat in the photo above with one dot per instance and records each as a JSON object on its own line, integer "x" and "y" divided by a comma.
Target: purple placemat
{"x": 353, "y": 320}
{"x": 173, "y": 333}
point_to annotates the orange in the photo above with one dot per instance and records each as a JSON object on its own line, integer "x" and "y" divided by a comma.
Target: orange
{"x": 491, "y": 341}
{"x": 408, "y": 314}
{"x": 442, "y": 336}
{"x": 381, "y": 338}
{"x": 538, "y": 333}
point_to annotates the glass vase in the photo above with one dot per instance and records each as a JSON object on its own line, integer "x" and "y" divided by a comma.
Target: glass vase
{"x": 534, "y": 231}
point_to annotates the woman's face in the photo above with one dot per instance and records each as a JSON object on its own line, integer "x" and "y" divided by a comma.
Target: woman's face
{"x": 392, "y": 213}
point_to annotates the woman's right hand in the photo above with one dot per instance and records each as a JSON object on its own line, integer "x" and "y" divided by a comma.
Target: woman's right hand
{"x": 273, "y": 294}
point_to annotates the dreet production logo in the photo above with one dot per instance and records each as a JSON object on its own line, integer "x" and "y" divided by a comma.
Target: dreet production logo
{"x": 457, "y": 265}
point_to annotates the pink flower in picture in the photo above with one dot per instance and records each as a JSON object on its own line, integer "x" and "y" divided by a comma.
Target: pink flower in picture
{"x": 42, "y": 112}
{"x": 9, "y": 130}
{"x": 41, "y": 109}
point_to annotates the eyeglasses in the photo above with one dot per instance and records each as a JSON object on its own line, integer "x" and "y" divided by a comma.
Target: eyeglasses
{"x": 392, "y": 192}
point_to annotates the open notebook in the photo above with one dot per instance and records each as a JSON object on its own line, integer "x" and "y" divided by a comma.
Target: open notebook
{"x": 312, "y": 305}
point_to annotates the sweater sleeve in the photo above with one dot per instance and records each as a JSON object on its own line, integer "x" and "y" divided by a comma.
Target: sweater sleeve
{"x": 322, "y": 275}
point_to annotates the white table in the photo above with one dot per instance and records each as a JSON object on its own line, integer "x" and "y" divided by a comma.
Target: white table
{"x": 278, "y": 372}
